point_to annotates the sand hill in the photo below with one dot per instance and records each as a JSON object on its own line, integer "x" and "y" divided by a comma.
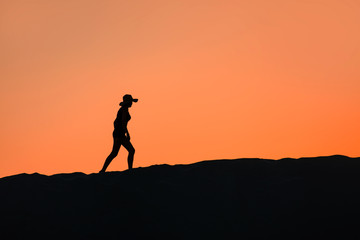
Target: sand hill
{"x": 306, "y": 198}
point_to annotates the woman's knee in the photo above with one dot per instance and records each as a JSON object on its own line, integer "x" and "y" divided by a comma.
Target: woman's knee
{"x": 114, "y": 153}
{"x": 132, "y": 151}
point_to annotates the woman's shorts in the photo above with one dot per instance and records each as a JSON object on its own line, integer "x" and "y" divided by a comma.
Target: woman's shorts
{"x": 118, "y": 134}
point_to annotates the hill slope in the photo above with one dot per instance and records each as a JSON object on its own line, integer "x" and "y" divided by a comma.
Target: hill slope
{"x": 220, "y": 199}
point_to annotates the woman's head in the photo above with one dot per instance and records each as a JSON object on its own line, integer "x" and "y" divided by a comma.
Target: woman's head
{"x": 128, "y": 100}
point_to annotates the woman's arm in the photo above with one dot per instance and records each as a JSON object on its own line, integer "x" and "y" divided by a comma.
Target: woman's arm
{"x": 127, "y": 134}
{"x": 124, "y": 125}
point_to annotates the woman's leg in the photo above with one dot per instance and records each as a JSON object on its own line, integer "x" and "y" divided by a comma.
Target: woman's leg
{"x": 129, "y": 147}
{"x": 113, "y": 154}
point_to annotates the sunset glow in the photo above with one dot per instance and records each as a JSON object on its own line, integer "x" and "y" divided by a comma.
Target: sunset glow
{"x": 215, "y": 80}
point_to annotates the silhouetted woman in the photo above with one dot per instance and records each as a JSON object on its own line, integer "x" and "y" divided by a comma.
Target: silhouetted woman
{"x": 121, "y": 134}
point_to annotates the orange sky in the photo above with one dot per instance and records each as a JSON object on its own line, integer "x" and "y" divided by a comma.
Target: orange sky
{"x": 215, "y": 79}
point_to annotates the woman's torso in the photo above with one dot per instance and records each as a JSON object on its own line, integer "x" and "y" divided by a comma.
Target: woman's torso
{"x": 120, "y": 123}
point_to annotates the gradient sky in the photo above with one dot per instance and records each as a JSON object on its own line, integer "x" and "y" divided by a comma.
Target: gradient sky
{"x": 215, "y": 79}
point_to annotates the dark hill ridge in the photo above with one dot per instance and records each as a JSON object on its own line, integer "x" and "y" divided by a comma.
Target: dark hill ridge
{"x": 306, "y": 198}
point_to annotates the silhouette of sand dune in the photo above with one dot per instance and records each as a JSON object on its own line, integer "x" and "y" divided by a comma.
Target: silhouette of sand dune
{"x": 302, "y": 198}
